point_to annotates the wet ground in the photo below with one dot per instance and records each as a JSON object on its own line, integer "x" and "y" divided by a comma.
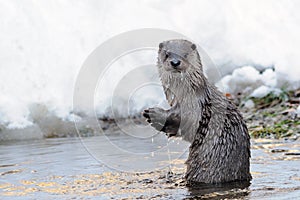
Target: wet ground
{"x": 120, "y": 166}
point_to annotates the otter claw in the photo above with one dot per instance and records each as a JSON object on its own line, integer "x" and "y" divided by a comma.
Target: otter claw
{"x": 155, "y": 117}
{"x": 146, "y": 111}
{"x": 146, "y": 114}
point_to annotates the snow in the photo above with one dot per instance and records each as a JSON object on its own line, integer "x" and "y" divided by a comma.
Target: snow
{"x": 249, "y": 104}
{"x": 241, "y": 80}
{"x": 263, "y": 91}
{"x": 298, "y": 111}
{"x": 44, "y": 43}
{"x": 247, "y": 79}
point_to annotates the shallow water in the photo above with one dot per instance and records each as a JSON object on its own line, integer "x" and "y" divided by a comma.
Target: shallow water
{"x": 102, "y": 168}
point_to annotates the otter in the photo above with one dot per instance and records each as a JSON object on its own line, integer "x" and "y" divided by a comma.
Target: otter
{"x": 202, "y": 115}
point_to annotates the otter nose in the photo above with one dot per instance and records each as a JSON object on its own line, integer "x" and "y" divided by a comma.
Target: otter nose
{"x": 175, "y": 63}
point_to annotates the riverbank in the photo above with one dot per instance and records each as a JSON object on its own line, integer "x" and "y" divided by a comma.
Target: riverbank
{"x": 273, "y": 116}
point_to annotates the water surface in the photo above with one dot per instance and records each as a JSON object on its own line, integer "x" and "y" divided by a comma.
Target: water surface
{"x": 121, "y": 166}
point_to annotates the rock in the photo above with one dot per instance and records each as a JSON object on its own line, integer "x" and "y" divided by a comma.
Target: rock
{"x": 249, "y": 104}
{"x": 278, "y": 150}
{"x": 147, "y": 181}
{"x": 288, "y": 111}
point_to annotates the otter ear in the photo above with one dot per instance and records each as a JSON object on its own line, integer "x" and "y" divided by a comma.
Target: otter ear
{"x": 161, "y": 45}
{"x": 193, "y": 46}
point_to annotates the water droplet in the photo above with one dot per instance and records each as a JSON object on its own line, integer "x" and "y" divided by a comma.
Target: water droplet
{"x": 182, "y": 76}
{"x": 172, "y": 96}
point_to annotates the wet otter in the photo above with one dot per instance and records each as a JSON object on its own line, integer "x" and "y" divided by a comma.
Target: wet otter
{"x": 200, "y": 114}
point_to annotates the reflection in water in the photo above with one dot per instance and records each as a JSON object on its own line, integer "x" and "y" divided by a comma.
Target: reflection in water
{"x": 230, "y": 190}
{"x": 63, "y": 169}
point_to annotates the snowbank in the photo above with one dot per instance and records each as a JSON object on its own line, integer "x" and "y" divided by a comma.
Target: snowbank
{"x": 44, "y": 43}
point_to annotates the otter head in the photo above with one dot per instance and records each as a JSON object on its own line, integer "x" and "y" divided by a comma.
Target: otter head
{"x": 178, "y": 56}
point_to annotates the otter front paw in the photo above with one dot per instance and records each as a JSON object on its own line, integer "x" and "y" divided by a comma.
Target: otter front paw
{"x": 156, "y": 117}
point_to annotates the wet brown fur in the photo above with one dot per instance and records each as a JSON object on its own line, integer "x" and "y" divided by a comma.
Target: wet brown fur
{"x": 200, "y": 114}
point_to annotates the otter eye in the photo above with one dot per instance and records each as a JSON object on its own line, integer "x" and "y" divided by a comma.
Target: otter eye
{"x": 193, "y": 46}
{"x": 161, "y": 45}
{"x": 185, "y": 56}
{"x": 167, "y": 54}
